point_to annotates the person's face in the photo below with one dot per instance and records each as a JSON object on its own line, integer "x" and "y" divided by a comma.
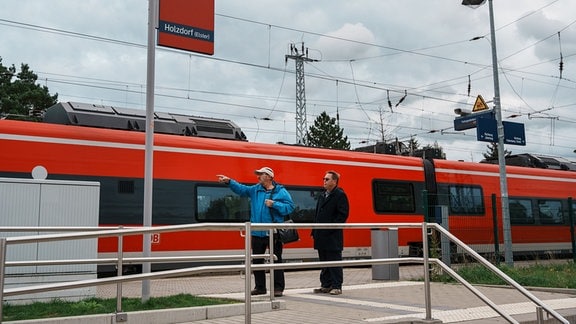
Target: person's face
{"x": 329, "y": 183}
{"x": 263, "y": 178}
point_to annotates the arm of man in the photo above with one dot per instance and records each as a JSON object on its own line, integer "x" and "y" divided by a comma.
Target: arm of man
{"x": 283, "y": 203}
{"x": 342, "y": 208}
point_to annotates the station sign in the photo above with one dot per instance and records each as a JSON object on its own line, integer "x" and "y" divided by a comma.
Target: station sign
{"x": 471, "y": 120}
{"x": 187, "y": 25}
{"x": 487, "y": 131}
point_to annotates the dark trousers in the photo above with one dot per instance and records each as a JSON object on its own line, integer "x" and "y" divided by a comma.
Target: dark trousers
{"x": 331, "y": 277}
{"x": 259, "y": 246}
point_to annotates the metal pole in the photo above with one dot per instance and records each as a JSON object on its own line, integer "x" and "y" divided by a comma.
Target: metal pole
{"x": 3, "y": 247}
{"x": 248, "y": 274}
{"x": 501, "y": 159}
{"x": 149, "y": 149}
{"x": 119, "y": 270}
{"x": 427, "y": 299}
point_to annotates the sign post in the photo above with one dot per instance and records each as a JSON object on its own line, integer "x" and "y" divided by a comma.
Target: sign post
{"x": 186, "y": 25}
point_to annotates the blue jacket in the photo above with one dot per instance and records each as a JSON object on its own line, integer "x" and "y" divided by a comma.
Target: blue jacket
{"x": 259, "y": 212}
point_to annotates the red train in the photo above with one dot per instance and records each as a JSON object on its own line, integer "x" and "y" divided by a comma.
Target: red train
{"x": 381, "y": 188}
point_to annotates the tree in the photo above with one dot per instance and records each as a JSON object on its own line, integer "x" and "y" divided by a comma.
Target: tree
{"x": 19, "y": 93}
{"x": 326, "y": 133}
{"x": 492, "y": 153}
{"x": 413, "y": 145}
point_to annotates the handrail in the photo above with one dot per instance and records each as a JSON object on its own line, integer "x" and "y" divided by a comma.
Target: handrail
{"x": 499, "y": 273}
{"x": 247, "y": 266}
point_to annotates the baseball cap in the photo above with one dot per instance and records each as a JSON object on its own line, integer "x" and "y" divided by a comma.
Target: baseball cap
{"x": 265, "y": 170}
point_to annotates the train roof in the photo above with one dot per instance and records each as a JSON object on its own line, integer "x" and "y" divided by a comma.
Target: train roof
{"x": 82, "y": 114}
{"x": 536, "y": 161}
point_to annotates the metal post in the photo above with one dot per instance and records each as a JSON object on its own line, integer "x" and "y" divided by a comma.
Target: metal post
{"x": 149, "y": 148}
{"x": 271, "y": 261}
{"x": 501, "y": 159}
{"x": 2, "y": 273}
{"x": 426, "y": 272}
{"x": 248, "y": 271}
{"x": 119, "y": 267}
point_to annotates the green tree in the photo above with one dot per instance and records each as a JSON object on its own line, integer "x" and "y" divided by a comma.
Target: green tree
{"x": 413, "y": 145}
{"x": 492, "y": 153}
{"x": 19, "y": 93}
{"x": 327, "y": 133}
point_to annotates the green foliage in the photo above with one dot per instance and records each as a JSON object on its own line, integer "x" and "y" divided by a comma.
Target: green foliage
{"x": 551, "y": 276}
{"x": 492, "y": 153}
{"x": 60, "y": 308}
{"x": 327, "y": 133}
{"x": 19, "y": 93}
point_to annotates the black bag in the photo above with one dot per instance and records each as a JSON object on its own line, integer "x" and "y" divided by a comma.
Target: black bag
{"x": 287, "y": 235}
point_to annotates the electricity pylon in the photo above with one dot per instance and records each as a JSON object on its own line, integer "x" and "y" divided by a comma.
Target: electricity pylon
{"x": 300, "y": 57}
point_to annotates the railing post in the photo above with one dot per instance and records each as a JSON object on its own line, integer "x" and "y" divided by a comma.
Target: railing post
{"x": 248, "y": 271}
{"x": 2, "y": 273}
{"x": 119, "y": 266}
{"x": 271, "y": 261}
{"x": 426, "y": 271}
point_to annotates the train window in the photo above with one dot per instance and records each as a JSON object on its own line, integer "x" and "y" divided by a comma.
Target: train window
{"x": 393, "y": 197}
{"x": 219, "y": 204}
{"x": 550, "y": 211}
{"x": 521, "y": 211}
{"x": 466, "y": 200}
{"x": 304, "y": 204}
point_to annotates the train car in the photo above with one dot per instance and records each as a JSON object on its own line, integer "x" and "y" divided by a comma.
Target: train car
{"x": 538, "y": 204}
{"x": 381, "y": 188}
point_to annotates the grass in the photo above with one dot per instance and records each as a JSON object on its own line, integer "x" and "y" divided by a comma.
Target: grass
{"x": 551, "y": 276}
{"x": 61, "y": 308}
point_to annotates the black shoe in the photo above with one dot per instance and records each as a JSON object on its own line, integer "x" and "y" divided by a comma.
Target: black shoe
{"x": 258, "y": 292}
{"x": 321, "y": 290}
{"x": 278, "y": 293}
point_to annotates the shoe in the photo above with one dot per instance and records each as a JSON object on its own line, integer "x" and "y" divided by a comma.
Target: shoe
{"x": 336, "y": 291}
{"x": 321, "y": 290}
{"x": 278, "y": 293}
{"x": 258, "y": 292}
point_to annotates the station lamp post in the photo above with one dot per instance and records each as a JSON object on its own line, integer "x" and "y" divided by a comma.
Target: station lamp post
{"x": 508, "y": 257}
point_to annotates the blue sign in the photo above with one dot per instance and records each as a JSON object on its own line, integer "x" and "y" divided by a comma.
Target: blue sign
{"x": 470, "y": 121}
{"x": 487, "y": 131}
{"x": 514, "y": 133}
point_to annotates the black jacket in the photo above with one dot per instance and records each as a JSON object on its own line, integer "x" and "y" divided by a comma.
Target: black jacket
{"x": 331, "y": 209}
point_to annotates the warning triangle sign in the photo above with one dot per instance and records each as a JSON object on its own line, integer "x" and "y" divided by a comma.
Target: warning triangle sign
{"x": 480, "y": 104}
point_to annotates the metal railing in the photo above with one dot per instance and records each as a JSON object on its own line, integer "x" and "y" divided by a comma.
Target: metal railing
{"x": 247, "y": 267}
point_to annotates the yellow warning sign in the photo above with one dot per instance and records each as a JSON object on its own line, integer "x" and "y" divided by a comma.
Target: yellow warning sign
{"x": 480, "y": 104}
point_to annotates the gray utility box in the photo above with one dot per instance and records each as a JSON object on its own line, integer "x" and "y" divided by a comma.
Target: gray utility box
{"x": 49, "y": 203}
{"x": 384, "y": 246}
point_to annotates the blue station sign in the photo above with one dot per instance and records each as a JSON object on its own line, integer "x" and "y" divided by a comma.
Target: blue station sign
{"x": 487, "y": 131}
{"x": 471, "y": 120}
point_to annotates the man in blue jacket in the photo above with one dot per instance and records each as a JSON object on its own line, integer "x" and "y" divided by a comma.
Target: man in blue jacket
{"x": 270, "y": 202}
{"x": 332, "y": 207}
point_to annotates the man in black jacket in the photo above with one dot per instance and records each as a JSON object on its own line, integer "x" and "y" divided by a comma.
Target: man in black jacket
{"x": 332, "y": 207}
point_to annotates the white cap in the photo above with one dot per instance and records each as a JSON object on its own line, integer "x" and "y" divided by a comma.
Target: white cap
{"x": 265, "y": 170}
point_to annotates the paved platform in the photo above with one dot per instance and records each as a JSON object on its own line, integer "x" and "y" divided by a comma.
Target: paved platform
{"x": 365, "y": 300}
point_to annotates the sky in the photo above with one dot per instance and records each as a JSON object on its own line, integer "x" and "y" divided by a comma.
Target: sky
{"x": 365, "y": 56}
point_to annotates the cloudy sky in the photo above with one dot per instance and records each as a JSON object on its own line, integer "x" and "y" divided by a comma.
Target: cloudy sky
{"x": 367, "y": 55}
